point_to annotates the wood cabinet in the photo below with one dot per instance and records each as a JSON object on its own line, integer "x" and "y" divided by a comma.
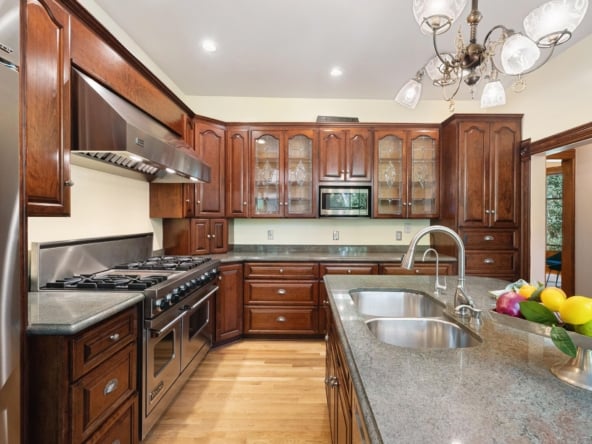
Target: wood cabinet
{"x": 337, "y": 389}
{"x": 85, "y": 388}
{"x": 283, "y": 173}
{"x": 418, "y": 268}
{"x": 345, "y": 155}
{"x": 281, "y": 298}
{"x": 406, "y": 173}
{"x": 481, "y": 192}
{"x": 359, "y": 431}
{"x": 229, "y": 304}
{"x": 237, "y": 172}
{"x": 46, "y": 108}
{"x": 195, "y": 236}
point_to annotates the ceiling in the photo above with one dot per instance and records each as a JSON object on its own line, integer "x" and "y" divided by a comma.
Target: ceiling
{"x": 271, "y": 48}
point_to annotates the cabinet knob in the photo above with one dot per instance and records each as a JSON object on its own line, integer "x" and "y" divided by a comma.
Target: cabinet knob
{"x": 111, "y": 386}
{"x": 486, "y": 211}
{"x": 187, "y": 200}
{"x": 114, "y": 337}
{"x": 281, "y": 270}
{"x": 69, "y": 183}
{"x": 281, "y": 291}
{"x": 286, "y": 203}
{"x": 244, "y": 204}
{"x": 349, "y": 271}
{"x": 280, "y": 319}
{"x": 213, "y": 236}
{"x": 488, "y": 237}
{"x": 199, "y": 202}
{"x": 209, "y": 236}
{"x": 489, "y": 261}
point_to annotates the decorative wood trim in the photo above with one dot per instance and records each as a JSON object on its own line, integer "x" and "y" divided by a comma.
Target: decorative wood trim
{"x": 564, "y": 138}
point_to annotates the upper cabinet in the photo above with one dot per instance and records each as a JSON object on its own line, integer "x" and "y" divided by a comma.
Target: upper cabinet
{"x": 209, "y": 145}
{"x": 345, "y": 155}
{"x": 406, "y": 173}
{"x": 282, "y": 173}
{"x": 237, "y": 172}
{"x": 46, "y": 108}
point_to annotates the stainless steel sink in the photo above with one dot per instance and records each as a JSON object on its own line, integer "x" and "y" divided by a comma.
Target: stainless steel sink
{"x": 422, "y": 333}
{"x": 396, "y": 303}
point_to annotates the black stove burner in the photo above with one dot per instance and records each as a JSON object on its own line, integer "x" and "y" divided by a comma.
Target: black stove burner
{"x": 173, "y": 263}
{"x": 107, "y": 282}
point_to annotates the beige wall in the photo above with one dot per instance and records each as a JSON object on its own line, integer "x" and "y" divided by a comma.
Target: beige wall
{"x": 558, "y": 97}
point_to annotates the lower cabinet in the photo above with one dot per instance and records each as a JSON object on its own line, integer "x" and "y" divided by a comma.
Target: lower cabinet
{"x": 428, "y": 268}
{"x": 229, "y": 304}
{"x": 84, "y": 387}
{"x": 281, "y": 298}
{"x": 195, "y": 236}
{"x": 359, "y": 433}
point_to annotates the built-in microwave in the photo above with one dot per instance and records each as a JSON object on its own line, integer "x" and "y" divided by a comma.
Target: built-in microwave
{"x": 344, "y": 201}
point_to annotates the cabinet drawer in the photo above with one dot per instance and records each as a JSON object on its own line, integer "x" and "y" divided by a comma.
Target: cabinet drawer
{"x": 121, "y": 427}
{"x": 291, "y": 293}
{"x": 281, "y": 270}
{"x": 281, "y": 320}
{"x": 349, "y": 269}
{"x": 98, "y": 394}
{"x": 93, "y": 347}
{"x": 490, "y": 239}
{"x": 491, "y": 262}
{"x": 428, "y": 269}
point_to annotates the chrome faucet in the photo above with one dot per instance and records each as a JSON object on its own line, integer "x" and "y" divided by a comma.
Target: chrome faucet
{"x": 437, "y": 286}
{"x": 460, "y": 296}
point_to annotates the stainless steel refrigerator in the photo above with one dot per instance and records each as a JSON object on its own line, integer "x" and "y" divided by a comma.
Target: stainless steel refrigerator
{"x": 10, "y": 270}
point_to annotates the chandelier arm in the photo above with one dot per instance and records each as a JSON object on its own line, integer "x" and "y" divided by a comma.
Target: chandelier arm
{"x": 448, "y": 99}
{"x": 453, "y": 64}
{"x": 492, "y": 30}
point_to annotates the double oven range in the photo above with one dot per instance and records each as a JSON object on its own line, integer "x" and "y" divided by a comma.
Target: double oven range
{"x": 177, "y": 310}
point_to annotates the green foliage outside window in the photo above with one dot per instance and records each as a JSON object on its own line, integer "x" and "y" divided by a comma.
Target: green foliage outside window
{"x": 554, "y": 212}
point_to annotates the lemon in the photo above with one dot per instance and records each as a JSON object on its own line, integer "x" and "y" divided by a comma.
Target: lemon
{"x": 584, "y": 329}
{"x": 526, "y": 290}
{"x": 553, "y": 298}
{"x": 576, "y": 310}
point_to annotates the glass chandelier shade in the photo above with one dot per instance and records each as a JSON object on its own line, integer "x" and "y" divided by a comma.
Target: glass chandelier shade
{"x": 493, "y": 94}
{"x": 519, "y": 54}
{"x": 437, "y": 15}
{"x": 435, "y": 70}
{"x": 410, "y": 94}
{"x": 545, "y": 24}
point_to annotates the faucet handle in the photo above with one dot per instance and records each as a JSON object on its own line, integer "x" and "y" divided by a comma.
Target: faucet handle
{"x": 465, "y": 310}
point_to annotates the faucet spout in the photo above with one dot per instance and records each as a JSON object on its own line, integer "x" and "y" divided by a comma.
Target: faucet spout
{"x": 407, "y": 260}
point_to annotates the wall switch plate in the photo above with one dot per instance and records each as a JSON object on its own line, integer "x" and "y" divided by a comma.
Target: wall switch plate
{"x": 407, "y": 227}
{"x": 398, "y": 235}
{"x": 335, "y": 235}
{"x": 269, "y": 234}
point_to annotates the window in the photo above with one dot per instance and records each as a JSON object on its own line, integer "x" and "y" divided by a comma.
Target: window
{"x": 554, "y": 208}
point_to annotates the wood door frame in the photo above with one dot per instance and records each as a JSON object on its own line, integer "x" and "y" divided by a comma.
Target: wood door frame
{"x": 553, "y": 144}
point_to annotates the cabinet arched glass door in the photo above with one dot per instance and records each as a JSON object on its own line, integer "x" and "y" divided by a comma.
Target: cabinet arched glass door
{"x": 423, "y": 183}
{"x": 390, "y": 181}
{"x": 266, "y": 183}
{"x": 299, "y": 192}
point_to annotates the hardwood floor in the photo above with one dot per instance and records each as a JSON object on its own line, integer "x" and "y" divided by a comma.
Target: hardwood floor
{"x": 252, "y": 392}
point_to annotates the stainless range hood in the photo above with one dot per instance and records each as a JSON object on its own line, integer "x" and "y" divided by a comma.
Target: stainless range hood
{"x": 112, "y": 135}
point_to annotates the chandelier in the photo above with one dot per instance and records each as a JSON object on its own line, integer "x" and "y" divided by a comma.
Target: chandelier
{"x": 503, "y": 51}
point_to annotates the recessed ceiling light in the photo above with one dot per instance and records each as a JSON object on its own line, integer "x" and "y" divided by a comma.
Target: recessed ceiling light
{"x": 336, "y": 71}
{"x": 209, "y": 45}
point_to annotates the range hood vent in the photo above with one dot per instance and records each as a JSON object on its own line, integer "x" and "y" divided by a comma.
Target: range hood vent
{"x": 112, "y": 135}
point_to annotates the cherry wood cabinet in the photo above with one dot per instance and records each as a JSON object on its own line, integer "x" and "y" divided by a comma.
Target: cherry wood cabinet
{"x": 229, "y": 303}
{"x": 281, "y": 298}
{"x": 359, "y": 431}
{"x": 418, "y": 269}
{"x": 345, "y": 155}
{"x": 84, "y": 388}
{"x": 406, "y": 173}
{"x": 481, "y": 191}
{"x": 283, "y": 173}
{"x": 195, "y": 236}
{"x": 46, "y": 108}
{"x": 236, "y": 174}
{"x": 210, "y": 147}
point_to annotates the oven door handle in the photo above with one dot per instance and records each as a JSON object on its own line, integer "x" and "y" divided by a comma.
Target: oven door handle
{"x": 156, "y": 333}
{"x": 201, "y": 301}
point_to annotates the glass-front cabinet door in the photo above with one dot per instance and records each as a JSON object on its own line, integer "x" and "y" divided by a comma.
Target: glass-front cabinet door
{"x": 390, "y": 188}
{"x": 267, "y": 174}
{"x": 423, "y": 175}
{"x": 299, "y": 191}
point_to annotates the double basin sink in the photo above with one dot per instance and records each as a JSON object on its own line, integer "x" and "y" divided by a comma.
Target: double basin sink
{"x": 409, "y": 318}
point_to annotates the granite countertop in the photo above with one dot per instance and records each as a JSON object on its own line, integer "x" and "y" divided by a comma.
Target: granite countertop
{"x": 499, "y": 391}
{"x": 69, "y": 312}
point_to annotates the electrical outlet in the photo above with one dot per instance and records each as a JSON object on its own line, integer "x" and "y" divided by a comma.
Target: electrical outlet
{"x": 335, "y": 235}
{"x": 407, "y": 227}
{"x": 398, "y": 235}
{"x": 269, "y": 234}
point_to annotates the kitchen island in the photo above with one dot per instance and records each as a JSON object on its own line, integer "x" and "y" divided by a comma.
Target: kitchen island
{"x": 498, "y": 391}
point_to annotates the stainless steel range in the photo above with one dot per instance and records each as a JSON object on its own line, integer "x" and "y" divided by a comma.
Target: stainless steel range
{"x": 178, "y": 304}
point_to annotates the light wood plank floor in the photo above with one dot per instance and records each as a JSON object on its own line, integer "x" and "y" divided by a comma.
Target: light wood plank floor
{"x": 252, "y": 392}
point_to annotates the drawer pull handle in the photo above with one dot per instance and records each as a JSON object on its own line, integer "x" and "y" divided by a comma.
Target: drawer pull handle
{"x": 114, "y": 337}
{"x": 488, "y": 261}
{"x": 110, "y": 387}
{"x": 282, "y": 291}
{"x": 280, "y": 319}
{"x": 281, "y": 270}
{"x": 349, "y": 271}
{"x": 488, "y": 237}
